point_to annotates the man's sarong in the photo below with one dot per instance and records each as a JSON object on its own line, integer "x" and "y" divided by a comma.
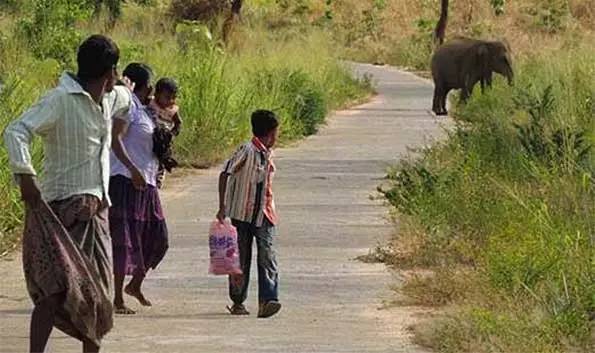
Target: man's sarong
{"x": 67, "y": 249}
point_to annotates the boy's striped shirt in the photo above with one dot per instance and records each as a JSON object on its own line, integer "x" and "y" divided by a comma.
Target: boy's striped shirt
{"x": 249, "y": 196}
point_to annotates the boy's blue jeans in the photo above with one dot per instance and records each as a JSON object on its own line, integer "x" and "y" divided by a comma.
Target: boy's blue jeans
{"x": 268, "y": 275}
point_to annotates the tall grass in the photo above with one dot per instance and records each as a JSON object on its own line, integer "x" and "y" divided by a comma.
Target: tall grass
{"x": 399, "y": 32}
{"x": 298, "y": 75}
{"x": 504, "y": 209}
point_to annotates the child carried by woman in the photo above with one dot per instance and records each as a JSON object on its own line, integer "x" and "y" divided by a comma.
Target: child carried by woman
{"x": 165, "y": 111}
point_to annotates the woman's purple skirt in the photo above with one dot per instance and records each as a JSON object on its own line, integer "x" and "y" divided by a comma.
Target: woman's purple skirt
{"x": 137, "y": 227}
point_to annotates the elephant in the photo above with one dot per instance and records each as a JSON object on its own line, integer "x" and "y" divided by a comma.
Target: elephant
{"x": 462, "y": 62}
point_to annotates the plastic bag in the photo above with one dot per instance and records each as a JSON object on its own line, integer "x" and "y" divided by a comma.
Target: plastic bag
{"x": 223, "y": 249}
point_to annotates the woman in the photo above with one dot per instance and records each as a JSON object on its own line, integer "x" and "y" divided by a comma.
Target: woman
{"x": 137, "y": 224}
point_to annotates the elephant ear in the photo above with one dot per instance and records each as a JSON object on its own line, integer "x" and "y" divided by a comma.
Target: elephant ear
{"x": 482, "y": 57}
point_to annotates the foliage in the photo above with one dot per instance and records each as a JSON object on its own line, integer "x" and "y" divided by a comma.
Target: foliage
{"x": 294, "y": 7}
{"x": 197, "y": 10}
{"x": 509, "y": 199}
{"x": 416, "y": 50}
{"x": 554, "y": 147}
{"x": 192, "y": 35}
{"x": 50, "y": 29}
{"x": 299, "y": 93}
{"x": 10, "y": 5}
{"x": 218, "y": 88}
{"x": 11, "y": 104}
{"x": 550, "y": 15}
{"x": 113, "y": 8}
{"x": 498, "y": 6}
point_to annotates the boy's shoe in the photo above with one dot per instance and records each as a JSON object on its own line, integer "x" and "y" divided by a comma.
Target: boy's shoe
{"x": 269, "y": 309}
{"x": 238, "y": 309}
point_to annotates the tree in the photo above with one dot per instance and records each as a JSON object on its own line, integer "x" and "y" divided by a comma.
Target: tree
{"x": 113, "y": 7}
{"x": 234, "y": 16}
{"x": 440, "y": 30}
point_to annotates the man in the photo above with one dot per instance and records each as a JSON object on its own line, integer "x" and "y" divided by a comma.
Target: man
{"x": 66, "y": 245}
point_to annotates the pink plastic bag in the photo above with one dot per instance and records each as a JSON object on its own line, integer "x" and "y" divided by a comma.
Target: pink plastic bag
{"x": 223, "y": 248}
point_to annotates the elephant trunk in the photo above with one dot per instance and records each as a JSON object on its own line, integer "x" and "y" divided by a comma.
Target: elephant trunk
{"x": 509, "y": 76}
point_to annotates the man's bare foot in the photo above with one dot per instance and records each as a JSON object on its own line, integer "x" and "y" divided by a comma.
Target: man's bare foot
{"x": 120, "y": 308}
{"x": 138, "y": 295}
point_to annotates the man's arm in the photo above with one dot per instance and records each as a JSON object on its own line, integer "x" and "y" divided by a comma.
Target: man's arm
{"x": 39, "y": 119}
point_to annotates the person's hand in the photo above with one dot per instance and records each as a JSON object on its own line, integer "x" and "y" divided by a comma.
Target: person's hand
{"x": 177, "y": 124}
{"x": 128, "y": 83}
{"x": 221, "y": 215}
{"x": 176, "y": 119}
{"x": 30, "y": 193}
{"x": 176, "y": 130}
{"x": 138, "y": 180}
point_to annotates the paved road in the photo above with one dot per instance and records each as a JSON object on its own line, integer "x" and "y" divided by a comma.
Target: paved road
{"x": 331, "y": 302}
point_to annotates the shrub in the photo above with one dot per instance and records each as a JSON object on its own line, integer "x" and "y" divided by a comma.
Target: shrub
{"x": 416, "y": 50}
{"x": 11, "y": 105}
{"x": 194, "y": 36}
{"x": 197, "y": 10}
{"x": 510, "y": 196}
{"x": 298, "y": 96}
{"x": 550, "y": 15}
{"x": 554, "y": 147}
{"x": 498, "y": 6}
{"x": 50, "y": 29}
{"x": 10, "y": 5}
{"x": 218, "y": 89}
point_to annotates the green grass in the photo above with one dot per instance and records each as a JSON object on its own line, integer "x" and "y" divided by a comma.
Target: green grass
{"x": 296, "y": 74}
{"x": 508, "y": 200}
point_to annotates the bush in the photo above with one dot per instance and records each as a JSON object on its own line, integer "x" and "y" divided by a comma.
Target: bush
{"x": 12, "y": 104}
{"x": 299, "y": 97}
{"x": 10, "y": 5}
{"x": 416, "y": 50}
{"x": 50, "y": 30}
{"x": 554, "y": 147}
{"x": 194, "y": 36}
{"x": 550, "y": 15}
{"x": 218, "y": 89}
{"x": 197, "y": 10}
{"x": 510, "y": 196}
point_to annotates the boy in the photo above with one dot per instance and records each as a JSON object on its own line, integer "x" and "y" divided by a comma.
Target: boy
{"x": 246, "y": 196}
{"x": 165, "y": 111}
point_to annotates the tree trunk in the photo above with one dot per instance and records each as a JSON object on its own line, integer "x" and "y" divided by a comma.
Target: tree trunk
{"x": 97, "y": 8}
{"x": 234, "y": 16}
{"x": 113, "y": 7}
{"x": 440, "y": 30}
{"x": 236, "y": 7}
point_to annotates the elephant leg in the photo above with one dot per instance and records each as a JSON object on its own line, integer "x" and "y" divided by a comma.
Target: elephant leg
{"x": 465, "y": 94}
{"x": 443, "y": 99}
{"x": 436, "y": 106}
